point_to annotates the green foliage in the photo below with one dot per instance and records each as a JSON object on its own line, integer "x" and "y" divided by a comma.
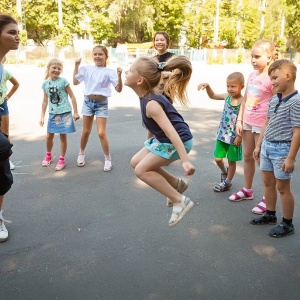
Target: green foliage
{"x": 135, "y": 21}
{"x": 23, "y": 37}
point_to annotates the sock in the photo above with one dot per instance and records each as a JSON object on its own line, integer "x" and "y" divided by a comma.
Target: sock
{"x": 287, "y": 221}
{"x": 241, "y": 194}
{"x": 107, "y": 157}
{"x": 247, "y": 190}
{"x": 271, "y": 212}
{"x": 61, "y": 158}
{"x": 228, "y": 181}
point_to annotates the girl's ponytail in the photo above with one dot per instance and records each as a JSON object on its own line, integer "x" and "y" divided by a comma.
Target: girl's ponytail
{"x": 175, "y": 87}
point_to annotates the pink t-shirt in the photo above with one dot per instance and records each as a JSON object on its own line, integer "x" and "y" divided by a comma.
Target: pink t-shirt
{"x": 259, "y": 92}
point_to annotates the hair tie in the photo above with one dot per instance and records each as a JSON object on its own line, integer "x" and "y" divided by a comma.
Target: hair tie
{"x": 161, "y": 66}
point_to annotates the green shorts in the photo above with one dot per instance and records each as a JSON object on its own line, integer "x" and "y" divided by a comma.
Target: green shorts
{"x": 232, "y": 152}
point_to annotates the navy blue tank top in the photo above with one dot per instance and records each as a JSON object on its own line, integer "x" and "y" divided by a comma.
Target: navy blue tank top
{"x": 175, "y": 118}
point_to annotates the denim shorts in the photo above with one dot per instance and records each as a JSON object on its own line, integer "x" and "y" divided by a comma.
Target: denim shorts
{"x": 272, "y": 156}
{"x": 166, "y": 150}
{"x": 99, "y": 108}
{"x": 253, "y": 129}
{"x": 4, "y": 109}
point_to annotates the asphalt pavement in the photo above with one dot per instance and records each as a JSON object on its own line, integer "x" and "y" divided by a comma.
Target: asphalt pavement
{"x": 83, "y": 233}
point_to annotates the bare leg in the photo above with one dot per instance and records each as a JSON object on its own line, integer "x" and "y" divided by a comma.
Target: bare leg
{"x": 87, "y": 123}
{"x": 270, "y": 191}
{"x": 220, "y": 164}
{"x": 231, "y": 169}
{"x": 63, "y": 144}
{"x": 49, "y": 141}
{"x": 101, "y": 129}
{"x": 1, "y": 201}
{"x": 146, "y": 170}
{"x": 287, "y": 198}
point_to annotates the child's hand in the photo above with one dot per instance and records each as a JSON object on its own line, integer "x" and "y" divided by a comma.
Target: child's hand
{"x": 78, "y": 61}
{"x": 288, "y": 165}
{"x": 256, "y": 154}
{"x": 119, "y": 71}
{"x": 238, "y": 141}
{"x": 188, "y": 168}
{"x": 239, "y": 128}
{"x": 202, "y": 86}
{"x": 42, "y": 122}
{"x": 76, "y": 116}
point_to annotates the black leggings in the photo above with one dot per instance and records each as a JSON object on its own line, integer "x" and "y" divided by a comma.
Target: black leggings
{"x": 6, "y": 178}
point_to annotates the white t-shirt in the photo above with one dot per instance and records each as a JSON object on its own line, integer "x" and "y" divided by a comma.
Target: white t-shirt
{"x": 97, "y": 80}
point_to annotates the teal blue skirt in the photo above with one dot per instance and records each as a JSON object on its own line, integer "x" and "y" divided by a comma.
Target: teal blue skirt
{"x": 166, "y": 150}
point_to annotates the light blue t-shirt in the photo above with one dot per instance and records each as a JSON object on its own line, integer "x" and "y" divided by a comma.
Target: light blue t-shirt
{"x": 57, "y": 95}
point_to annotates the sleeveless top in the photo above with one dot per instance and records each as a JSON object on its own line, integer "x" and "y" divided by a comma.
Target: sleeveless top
{"x": 175, "y": 118}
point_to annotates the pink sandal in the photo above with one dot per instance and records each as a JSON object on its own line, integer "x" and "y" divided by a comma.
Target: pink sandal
{"x": 260, "y": 208}
{"x": 246, "y": 196}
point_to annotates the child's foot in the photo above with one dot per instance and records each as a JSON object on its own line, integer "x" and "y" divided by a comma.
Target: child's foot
{"x": 222, "y": 187}
{"x": 47, "y": 160}
{"x": 241, "y": 195}
{"x": 180, "y": 210}
{"x": 107, "y": 163}
{"x": 181, "y": 187}
{"x": 282, "y": 230}
{"x": 260, "y": 208}
{"x": 60, "y": 165}
{"x": 80, "y": 160}
{"x": 3, "y": 230}
{"x": 265, "y": 219}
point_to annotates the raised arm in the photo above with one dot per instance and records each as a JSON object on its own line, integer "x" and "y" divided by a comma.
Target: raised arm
{"x": 119, "y": 86}
{"x": 211, "y": 94}
{"x": 77, "y": 63}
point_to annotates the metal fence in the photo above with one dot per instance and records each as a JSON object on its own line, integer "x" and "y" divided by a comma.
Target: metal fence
{"x": 121, "y": 55}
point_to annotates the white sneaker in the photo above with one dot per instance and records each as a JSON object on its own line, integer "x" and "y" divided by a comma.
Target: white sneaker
{"x": 107, "y": 164}
{"x": 12, "y": 166}
{"x": 3, "y": 230}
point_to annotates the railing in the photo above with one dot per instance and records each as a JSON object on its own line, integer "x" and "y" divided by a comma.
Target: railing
{"x": 40, "y": 55}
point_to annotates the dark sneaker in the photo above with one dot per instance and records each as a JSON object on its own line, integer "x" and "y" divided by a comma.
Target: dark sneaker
{"x": 222, "y": 187}
{"x": 282, "y": 230}
{"x": 264, "y": 219}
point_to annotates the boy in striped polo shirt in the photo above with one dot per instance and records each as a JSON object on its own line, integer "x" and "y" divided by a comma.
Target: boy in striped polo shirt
{"x": 277, "y": 147}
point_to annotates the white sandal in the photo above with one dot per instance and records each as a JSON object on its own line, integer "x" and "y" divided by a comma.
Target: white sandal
{"x": 80, "y": 160}
{"x": 181, "y": 187}
{"x": 180, "y": 210}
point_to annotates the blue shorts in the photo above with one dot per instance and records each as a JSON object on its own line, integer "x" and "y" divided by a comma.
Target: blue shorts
{"x": 61, "y": 123}
{"x": 272, "y": 156}
{"x": 95, "y": 107}
{"x": 166, "y": 150}
{"x": 4, "y": 109}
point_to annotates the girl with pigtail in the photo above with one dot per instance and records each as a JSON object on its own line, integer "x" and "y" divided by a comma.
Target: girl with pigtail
{"x": 172, "y": 138}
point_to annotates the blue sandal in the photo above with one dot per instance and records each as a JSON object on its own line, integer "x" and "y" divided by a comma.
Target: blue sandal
{"x": 222, "y": 187}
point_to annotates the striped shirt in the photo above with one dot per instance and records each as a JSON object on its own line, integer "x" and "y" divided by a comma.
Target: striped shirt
{"x": 283, "y": 114}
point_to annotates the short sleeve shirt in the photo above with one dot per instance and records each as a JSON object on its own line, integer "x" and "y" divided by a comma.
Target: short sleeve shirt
{"x": 97, "y": 80}
{"x": 259, "y": 93}
{"x": 6, "y": 75}
{"x": 226, "y": 132}
{"x": 284, "y": 114}
{"x": 57, "y": 95}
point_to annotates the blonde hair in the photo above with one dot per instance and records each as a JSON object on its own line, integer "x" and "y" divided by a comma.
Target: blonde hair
{"x": 283, "y": 64}
{"x": 52, "y": 62}
{"x": 268, "y": 48}
{"x": 238, "y": 76}
{"x": 175, "y": 88}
